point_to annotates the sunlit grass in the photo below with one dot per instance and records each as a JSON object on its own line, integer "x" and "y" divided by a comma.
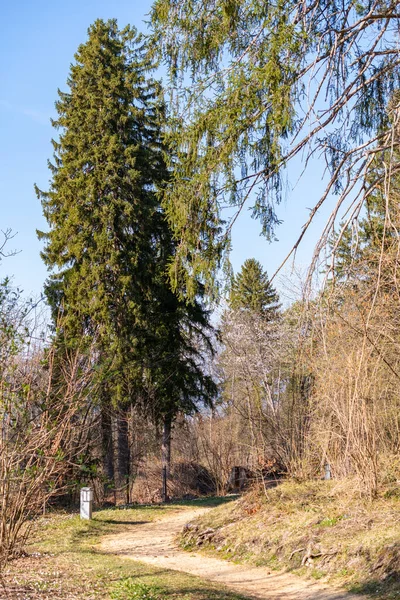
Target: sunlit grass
{"x": 66, "y": 561}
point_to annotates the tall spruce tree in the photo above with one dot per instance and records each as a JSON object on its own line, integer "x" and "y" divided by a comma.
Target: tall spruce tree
{"x": 101, "y": 207}
{"x": 103, "y": 216}
{"x": 109, "y": 243}
{"x": 252, "y": 290}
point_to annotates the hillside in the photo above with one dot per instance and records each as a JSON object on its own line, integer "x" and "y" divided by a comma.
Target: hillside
{"x": 316, "y": 529}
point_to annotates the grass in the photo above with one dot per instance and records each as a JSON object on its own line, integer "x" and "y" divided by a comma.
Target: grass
{"x": 317, "y": 529}
{"x": 64, "y": 563}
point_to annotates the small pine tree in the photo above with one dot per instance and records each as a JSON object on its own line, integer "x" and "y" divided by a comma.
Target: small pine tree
{"x": 251, "y": 290}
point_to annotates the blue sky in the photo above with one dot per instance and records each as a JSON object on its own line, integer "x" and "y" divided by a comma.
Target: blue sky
{"x": 37, "y": 46}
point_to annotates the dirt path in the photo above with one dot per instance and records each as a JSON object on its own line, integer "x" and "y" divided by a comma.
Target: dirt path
{"x": 153, "y": 543}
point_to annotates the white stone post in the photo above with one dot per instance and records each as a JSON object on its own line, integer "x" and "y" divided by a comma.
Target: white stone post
{"x": 86, "y": 502}
{"x": 328, "y": 474}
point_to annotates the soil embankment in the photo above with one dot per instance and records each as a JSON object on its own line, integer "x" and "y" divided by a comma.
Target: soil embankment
{"x": 154, "y": 543}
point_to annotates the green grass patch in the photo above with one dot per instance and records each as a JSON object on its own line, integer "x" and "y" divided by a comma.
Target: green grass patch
{"x": 129, "y": 589}
{"x": 65, "y": 562}
{"x": 329, "y": 521}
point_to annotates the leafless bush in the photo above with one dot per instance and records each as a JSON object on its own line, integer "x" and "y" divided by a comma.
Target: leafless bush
{"x": 356, "y": 423}
{"x": 216, "y": 438}
{"x": 186, "y": 479}
{"x": 43, "y": 394}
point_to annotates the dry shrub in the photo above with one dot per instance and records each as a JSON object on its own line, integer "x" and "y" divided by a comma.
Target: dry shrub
{"x": 218, "y": 446}
{"x": 43, "y": 400}
{"x": 186, "y": 479}
{"x": 356, "y": 417}
{"x": 38, "y": 443}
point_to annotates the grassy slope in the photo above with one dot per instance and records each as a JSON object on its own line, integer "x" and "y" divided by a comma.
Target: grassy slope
{"x": 64, "y": 563}
{"x": 313, "y": 529}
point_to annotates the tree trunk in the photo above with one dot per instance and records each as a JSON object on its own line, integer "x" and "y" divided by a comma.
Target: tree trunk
{"x": 121, "y": 455}
{"x": 166, "y": 454}
{"x": 107, "y": 448}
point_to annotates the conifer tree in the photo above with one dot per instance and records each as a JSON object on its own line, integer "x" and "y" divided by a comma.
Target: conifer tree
{"x": 175, "y": 376}
{"x": 248, "y": 78}
{"x": 252, "y": 290}
{"x": 101, "y": 207}
{"x": 109, "y": 244}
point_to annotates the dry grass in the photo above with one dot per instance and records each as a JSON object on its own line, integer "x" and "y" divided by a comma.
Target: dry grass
{"x": 318, "y": 529}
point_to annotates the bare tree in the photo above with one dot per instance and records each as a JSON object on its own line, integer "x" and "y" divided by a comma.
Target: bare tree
{"x": 266, "y": 385}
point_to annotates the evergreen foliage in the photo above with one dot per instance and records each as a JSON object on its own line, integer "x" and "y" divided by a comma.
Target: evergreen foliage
{"x": 179, "y": 338}
{"x": 109, "y": 244}
{"x": 257, "y": 83}
{"x": 252, "y": 290}
{"x": 101, "y": 206}
{"x": 358, "y": 256}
